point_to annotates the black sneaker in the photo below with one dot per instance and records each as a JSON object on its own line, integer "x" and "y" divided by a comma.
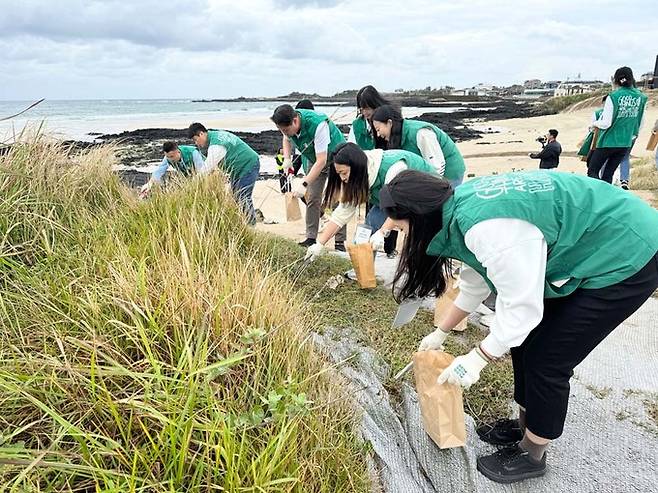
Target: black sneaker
{"x": 307, "y": 242}
{"x": 339, "y": 246}
{"x": 624, "y": 184}
{"x": 511, "y": 464}
{"x": 502, "y": 432}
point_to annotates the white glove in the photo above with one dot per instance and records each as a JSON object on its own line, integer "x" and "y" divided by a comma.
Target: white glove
{"x": 377, "y": 240}
{"x": 145, "y": 190}
{"x": 433, "y": 340}
{"x": 299, "y": 190}
{"x": 314, "y": 251}
{"x": 464, "y": 370}
{"x": 287, "y": 163}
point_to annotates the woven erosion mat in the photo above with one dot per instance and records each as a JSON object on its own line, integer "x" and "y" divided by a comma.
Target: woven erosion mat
{"x": 609, "y": 444}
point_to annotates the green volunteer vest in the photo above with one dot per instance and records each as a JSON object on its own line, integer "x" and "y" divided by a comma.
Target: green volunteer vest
{"x": 304, "y": 141}
{"x": 186, "y": 163}
{"x": 240, "y": 158}
{"x": 628, "y": 104}
{"x": 363, "y": 137}
{"x": 455, "y": 166}
{"x": 597, "y": 235}
{"x": 587, "y": 143}
{"x": 389, "y": 158}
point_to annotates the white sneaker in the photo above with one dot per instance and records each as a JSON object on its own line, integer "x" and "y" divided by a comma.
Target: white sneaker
{"x": 487, "y": 320}
{"x": 351, "y": 274}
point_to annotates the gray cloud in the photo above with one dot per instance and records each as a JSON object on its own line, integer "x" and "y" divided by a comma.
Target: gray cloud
{"x": 206, "y": 48}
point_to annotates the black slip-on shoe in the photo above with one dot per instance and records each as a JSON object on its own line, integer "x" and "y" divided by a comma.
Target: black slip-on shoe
{"x": 307, "y": 242}
{"x": 511, "y": 464}
{"x": 339, "y": 246}
{"x": 502, "y": 432}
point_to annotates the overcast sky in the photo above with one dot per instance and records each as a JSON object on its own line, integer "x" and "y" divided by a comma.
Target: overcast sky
{"x": 78, "y": 49}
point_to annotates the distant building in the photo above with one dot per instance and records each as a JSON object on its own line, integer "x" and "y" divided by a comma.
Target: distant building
{"x": 572, "y": 87}
{"x": 479, "y": 90}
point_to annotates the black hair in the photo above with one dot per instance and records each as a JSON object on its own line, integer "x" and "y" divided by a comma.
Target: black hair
{"x": 195, "y": 129}
{"x": 384, "y": 114}
{"x": 369, "y": 97}
{"x": 284, "y": 115}
{"x": 169, "y": 146}
{"x": 355, "y": 191}
{"x": 624, "y": 77}
{"x": 418, "y": 197}
{"x": 553, "y": 132}
{"x": 305, "y": 104}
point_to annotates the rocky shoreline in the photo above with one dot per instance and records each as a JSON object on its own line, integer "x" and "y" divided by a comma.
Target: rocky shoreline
{"x": 138, "y": 148}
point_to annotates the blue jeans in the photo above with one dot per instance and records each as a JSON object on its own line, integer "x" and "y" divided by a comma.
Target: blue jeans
{"x": 625, "y": 165}
{"x": 243, "y": 189}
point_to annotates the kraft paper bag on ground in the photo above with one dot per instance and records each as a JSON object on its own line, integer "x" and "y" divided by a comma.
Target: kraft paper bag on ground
{"x": 444, "y": 302}
{"x": 653, "y": 142}
{"x": 364, "y": 264}
{"x": 293, "y": 212}
{"x": 441, "y": 406}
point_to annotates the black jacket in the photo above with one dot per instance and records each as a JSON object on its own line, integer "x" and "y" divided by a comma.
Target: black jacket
{"x": 549, "y": 155}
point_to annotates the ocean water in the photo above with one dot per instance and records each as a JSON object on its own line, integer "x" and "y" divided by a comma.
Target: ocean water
{"x": 77, "y": 119}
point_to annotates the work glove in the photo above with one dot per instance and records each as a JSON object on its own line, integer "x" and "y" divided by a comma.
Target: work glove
{"x": 464, "y": 370}
{"x": 145, "y": 190}
{"x": 314, "y": 251}
{"x": 377, "y": 240}
{"x": 299, "y": 189}
{"x": 433, "y": 340}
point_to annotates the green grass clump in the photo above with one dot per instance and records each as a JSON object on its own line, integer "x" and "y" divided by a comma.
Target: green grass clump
{"x": 155, "y": 346}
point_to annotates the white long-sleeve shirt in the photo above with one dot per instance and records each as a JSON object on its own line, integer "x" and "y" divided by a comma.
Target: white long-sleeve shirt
{"x": 431, "y": 150}
{"x": 345, "y": 212}
{"x": 514, "y": 253}
{"x": 216, "y": 153}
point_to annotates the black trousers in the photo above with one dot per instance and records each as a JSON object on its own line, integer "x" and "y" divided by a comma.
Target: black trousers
{"x": 613, "y": 156}
{"x": 571, "y": 328}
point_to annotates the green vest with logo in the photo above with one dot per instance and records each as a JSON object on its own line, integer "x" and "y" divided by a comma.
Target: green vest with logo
{"x": 628, "y": 107}
{"x": 186, "y": 163}
{"x": 304, "y": 141}
{"x": 587, "y": 143}
{"x": 389, "y": 158}
{"x": 240, "y": 158}
{"x": 455, "y": 166}
{"x": 597, "y": 235}
{"x": 364, "y": 139}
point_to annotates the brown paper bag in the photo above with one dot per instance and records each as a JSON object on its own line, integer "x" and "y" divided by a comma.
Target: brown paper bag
{"x": 293, "y": 212}
{"x": 653, "y": 142}
{"x": 363, "y": 262}
{"x": 444, "y": 302}
{"x": 441, "y": 406}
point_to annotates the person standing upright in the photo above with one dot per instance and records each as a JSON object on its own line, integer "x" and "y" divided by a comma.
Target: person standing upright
{"x": 549, "y": 156}
{"x": 618, "y": 125}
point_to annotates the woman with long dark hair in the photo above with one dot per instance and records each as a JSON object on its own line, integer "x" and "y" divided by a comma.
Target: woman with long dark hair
{"x": 361, "y": 133}
{"x": 570, "y": 259}
{"x": 368, "y": 99}
{"x": 422, "y": 138}
{"x": 619, "y": 125}
{"x": 355, "y": 178}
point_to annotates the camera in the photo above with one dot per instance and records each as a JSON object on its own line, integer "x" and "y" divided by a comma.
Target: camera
{"x": 541, "y": 140}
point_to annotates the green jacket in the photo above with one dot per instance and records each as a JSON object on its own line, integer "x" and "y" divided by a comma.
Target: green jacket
{"x": 455, "y": 166}
{"x": 240, "y": 158}
{"x": 364, "y": 138}
{"x": 628, "y": 104}
{"x": 389, "y": 158}
{"x": 304, "y": 140}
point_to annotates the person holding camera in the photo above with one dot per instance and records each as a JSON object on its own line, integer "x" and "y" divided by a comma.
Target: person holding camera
{"x": 549, "y": 155}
